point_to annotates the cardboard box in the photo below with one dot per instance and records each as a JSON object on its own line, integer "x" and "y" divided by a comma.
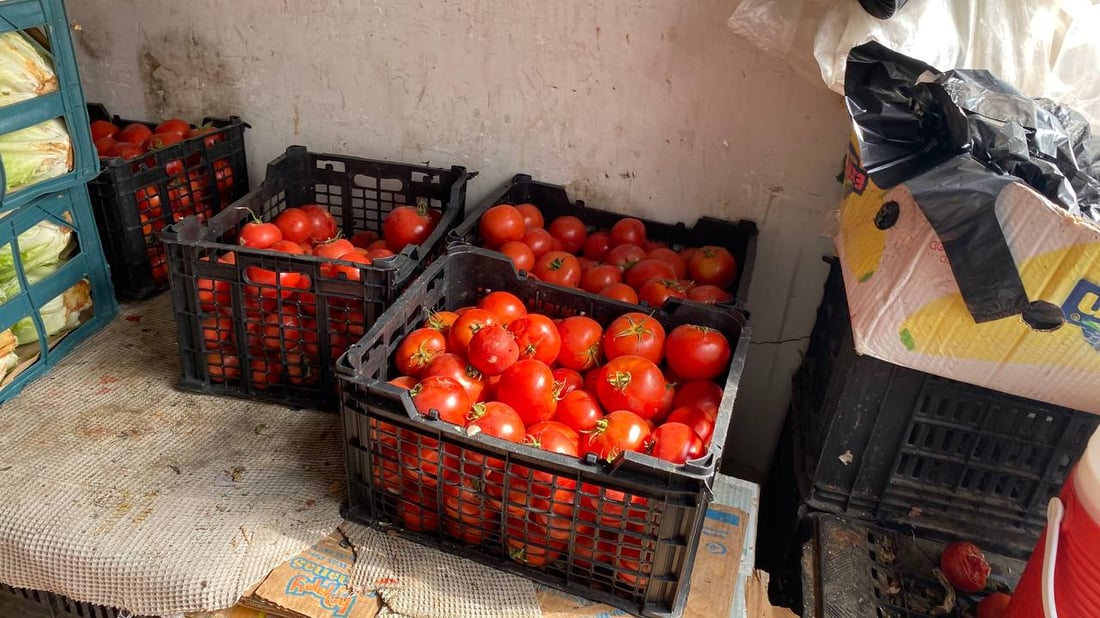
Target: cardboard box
{"x": 907, "y": 309}
{"x": 313, "y": 584}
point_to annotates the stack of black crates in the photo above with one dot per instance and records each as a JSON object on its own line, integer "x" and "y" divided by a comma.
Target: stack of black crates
{"x": 894, "y": 449}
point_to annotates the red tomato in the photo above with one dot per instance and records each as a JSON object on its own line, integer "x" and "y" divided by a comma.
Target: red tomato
{"x": 622, "y": 292}
{"x": 617, "y": 433}
{"x": 125, "y": 150}
{"x": 443, "y": 394}
{"x": 590, "y": 378}
{"x": 295, "y": 225}
{"x": 299, "y": 369}
{"x": 570, "y": 231}
{"x": 965, "y": 566}
{"x": 568, "y": 380}
{"x": 537, "y": 337}
{"x": 333, "y": 249}
{"x": 362, "y": 239}
{"x": 264, "y": 372}
{"x": 417, "y": 517}
{"x": 217, "y": 332}
{"x": 519, "y": 253}
{"x": 994, "y": 606}
{"x": 590, "y": 550}
{"x": 528, "y": 388}
{"x": 634, "y": 334}
{"x": 597, "y": 278}
{"x": 468, "y": 514}
{"x": 259, "y": 235}
{"x": 632, "y": 383}
{"x": 700, "y": 422}
{"x": 597, "y": 245}
{"x": 532, "y": 216}
{"x": 666, "y": 402}
{"x": 505, "y": 305}
{"x": 347, "y": 271}
{"x": 281, "y": 332}
{"x": 163, "y": 140}
{"x": 702, "y": 394}
{"x": 635, "y": 563}
{"x": 697, "y": 352}
{"x": 628, "y": 231}
{"x": 580, "y": 342}
{"x": 174, "y": 125}
{"x": 613, "y": 508}
{"x": 713, "y": 265}
{"x": 647, "y": 269}
{"x": 103, "y": 145}
{"x": 417, "y": 350}
{"x": 709, "y": 294}
{"x": 560, "y": 268}
{"x": 586, "y": 264}
{"x": 625, "y": 256}
{"x": 405, "y": 382}
{"x": 553, "y": 437}
{"x": 268, "y": 285}
{"x": 687, "y": 252}
{"x": 286, "y": 246}
{"x": 675, "y": 442}
{"x": 464, "y": 327}
{"x": 539, "y": 241}
{"x": 656, "y": 292}
{"x": 379, "y": 254}
{"x": 102, "y": 128}
{"x": 495, "y": 418}
{"x": 536, "y": 539}
{"x": 134, "y": 133}
{"x": 492, "y": 350}
{"x": 455, "y": 367}
{"x": 408, "y": 225}
{"x": 223, "y": 365}
{"x": 673, "y": 259}
{"x": 579, "y": 410}
{"x": 500, "y": 224}
{"x": 322, "y": 224}
{"x": 441, "y": 321}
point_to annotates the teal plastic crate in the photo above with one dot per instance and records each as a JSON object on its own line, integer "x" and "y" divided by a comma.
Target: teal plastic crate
{"x": 66, "y": 103}
{"x": 70, "y": 208}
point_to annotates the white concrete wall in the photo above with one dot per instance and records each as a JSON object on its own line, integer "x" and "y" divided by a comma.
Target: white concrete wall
{"x": 648, "y": 107}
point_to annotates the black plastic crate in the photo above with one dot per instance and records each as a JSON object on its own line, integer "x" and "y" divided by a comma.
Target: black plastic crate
{"x": 218, "y": 304}
{"x": 851, "y": 568}
{"x": 642, "y": 515}
{"x": 134, "y": 200}
{"x": 877, "y": 441}
{"x": 26, "y": 603}
{"x": 738, "y": 238}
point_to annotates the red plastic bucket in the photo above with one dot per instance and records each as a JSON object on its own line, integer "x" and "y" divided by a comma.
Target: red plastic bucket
{"x": 1062, "y": 578}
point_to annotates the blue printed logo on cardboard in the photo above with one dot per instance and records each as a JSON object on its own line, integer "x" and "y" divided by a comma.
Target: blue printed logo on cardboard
{"x": 324, "y": 584}
{"x": 1083, "y": 309}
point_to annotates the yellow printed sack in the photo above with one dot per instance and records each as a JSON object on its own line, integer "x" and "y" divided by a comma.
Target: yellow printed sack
{"x": 906, "y": 307}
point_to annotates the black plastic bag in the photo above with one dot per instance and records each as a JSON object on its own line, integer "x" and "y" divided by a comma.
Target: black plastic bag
{"x": 956, "y": 139}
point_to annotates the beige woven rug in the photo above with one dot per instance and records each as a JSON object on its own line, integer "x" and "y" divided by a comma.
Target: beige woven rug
{"x": 117, "y": 489}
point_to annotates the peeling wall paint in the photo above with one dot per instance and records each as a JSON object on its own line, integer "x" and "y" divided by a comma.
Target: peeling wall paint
{"x": 649, "y": 107}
